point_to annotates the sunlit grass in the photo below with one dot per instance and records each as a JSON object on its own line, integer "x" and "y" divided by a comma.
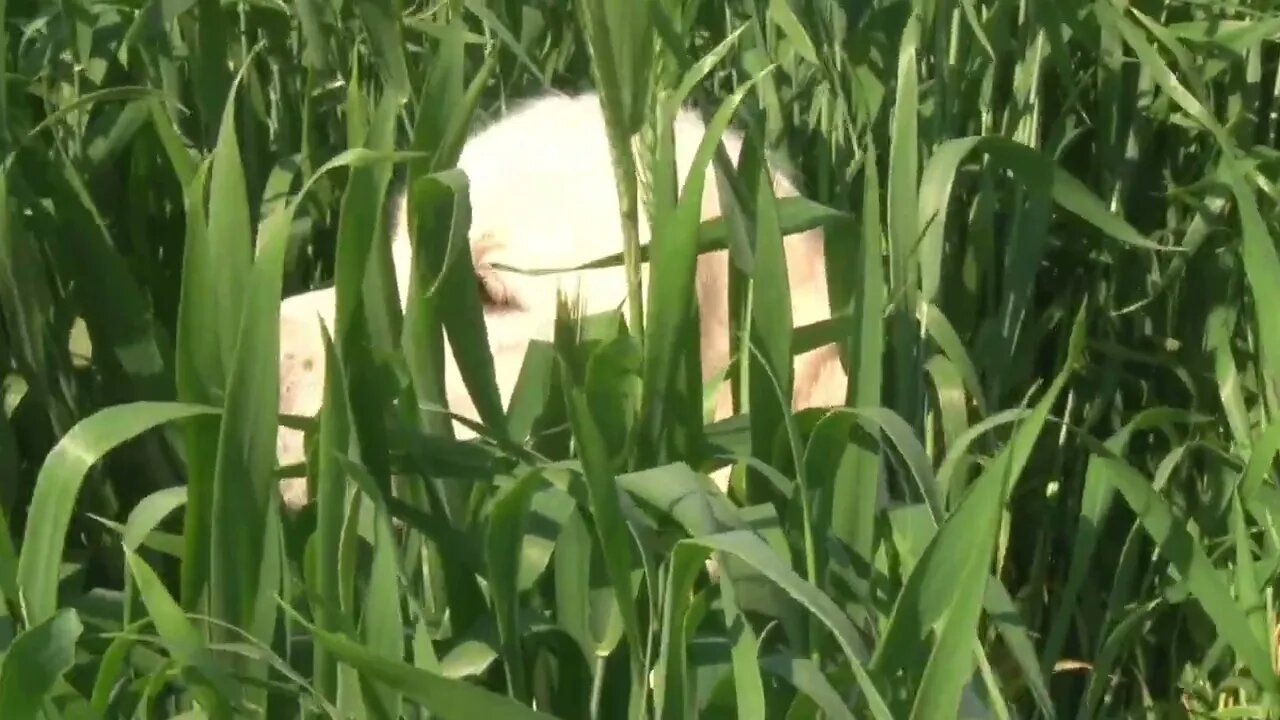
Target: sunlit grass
{"x": 1051, "y": 249}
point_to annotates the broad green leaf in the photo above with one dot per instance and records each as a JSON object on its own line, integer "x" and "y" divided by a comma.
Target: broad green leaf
{"x": 35, "y": 661}
{"x": 58, "y": 484}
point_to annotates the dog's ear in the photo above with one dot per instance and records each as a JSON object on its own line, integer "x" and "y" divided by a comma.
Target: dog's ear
{"x": 496, "y": 293}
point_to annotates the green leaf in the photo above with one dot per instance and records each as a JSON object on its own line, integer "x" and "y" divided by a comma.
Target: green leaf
{"x": 748, "y": 547}
{"x": 503, "y": 541}
{"x": 1176, "y": 541}
{"x": 34, "y": 663}
{"x": 183, "y": 641}
{"x": 58, "y": 484}
{"x": 443, "y": 697}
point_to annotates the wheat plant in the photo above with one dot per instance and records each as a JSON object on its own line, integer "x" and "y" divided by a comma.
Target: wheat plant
{"x": 1051, "y": 242}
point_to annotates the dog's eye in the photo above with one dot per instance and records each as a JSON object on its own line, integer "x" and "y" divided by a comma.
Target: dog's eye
{"x": 494, "y": 293}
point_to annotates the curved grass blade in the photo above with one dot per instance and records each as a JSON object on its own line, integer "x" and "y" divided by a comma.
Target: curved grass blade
{"x": 1260, "y": 259}
{"x": 752, "y": 550}
{"x": 1033, "y": 169}
{"x": 34, "y": 663}
{"x": 150, "y": 512}
{"x": 464, "y": 324}
{"x": 796, "y": 214}
{"x": 1095, "y": 505}
{"x": 807, "y": 677}
{"x": 183, "y": 641}
{"x": 958, "y": 558}
{"x": 1176, "y": 541}
{"x": 58, "y": 484}
{"x": 111, "y": 665}
{"x": 891, "y": 424}
{"x": 443, "y": 697}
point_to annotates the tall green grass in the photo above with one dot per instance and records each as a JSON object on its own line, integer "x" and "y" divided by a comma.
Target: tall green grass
{"x": 1051, "y": 236}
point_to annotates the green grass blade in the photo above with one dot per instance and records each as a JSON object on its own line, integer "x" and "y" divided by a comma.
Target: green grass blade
{"x": 1176, "y": 540}
{"x": 611, "y": 529}
{"x": 671, "y": 272}
{"x": 59, "y": 483}
{"x": 229, "y": 252}
{"x": 504, "y": 538}
{"x": 382, "y": 23}
{"x": 245, "y": 493}
{"x": 149, "y": 513}
{"x": 751, "y": 549}
{"x": 183, "y": 640}
{"x": 852, "y": 491}
{"x": 34, "y": 662}
{"x": 445, "y": 698}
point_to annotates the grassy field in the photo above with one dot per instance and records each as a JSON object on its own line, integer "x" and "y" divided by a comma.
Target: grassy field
{"x": 1051, "y": 230}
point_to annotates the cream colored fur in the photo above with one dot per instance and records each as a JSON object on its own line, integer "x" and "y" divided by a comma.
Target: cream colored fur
{"x": 543, "y": 196}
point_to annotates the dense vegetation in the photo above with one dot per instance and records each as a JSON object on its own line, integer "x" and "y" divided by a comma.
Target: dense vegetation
{"x": 1051, "y": 229}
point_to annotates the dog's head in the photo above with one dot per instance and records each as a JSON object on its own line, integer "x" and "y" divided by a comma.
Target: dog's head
{"x": 542, "y": 196}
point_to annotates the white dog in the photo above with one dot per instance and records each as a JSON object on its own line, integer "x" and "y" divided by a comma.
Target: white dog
{"x": 543, "y": 196}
